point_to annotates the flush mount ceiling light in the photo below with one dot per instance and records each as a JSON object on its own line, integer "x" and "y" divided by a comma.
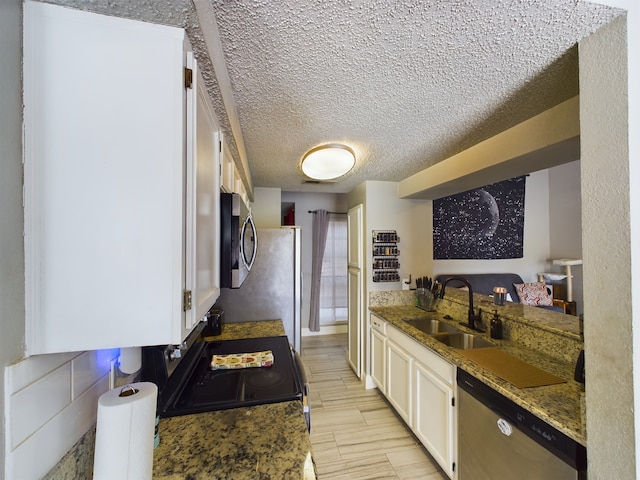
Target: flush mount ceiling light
{"x": 327, "y": 162}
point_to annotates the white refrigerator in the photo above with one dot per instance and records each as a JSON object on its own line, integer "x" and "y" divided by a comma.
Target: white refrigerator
{"x": 273, "y": 288}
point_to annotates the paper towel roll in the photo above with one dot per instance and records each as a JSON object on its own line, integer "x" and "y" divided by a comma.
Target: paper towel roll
{"x": 124, "y": 433}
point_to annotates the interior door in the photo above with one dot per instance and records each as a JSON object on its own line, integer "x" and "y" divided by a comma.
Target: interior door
{"x": 355, "y": 285}
{"x": 354, "y": 282}
{"x": 354, "y": 232}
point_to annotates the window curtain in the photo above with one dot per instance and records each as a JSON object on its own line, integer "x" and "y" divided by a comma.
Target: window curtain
{"x": 320, "y": 227}
{"x": 333, "y": 281}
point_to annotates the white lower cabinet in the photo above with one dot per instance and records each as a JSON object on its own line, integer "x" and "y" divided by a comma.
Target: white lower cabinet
{"x": 399, "y": 391}
{"x": 433, "y": 416}
{"x": 378, "y": 352}
{"x": 420, "y": 385}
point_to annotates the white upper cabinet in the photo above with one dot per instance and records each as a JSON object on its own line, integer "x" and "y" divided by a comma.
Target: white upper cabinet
{"x": 108, "y": 218}
{"x": 231, "y": 181}
{"x": 227, "y": 170}
{"x": 204, "y": 279}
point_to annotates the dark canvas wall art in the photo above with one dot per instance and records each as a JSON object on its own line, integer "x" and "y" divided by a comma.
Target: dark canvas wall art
{"x": 482, "y": 224}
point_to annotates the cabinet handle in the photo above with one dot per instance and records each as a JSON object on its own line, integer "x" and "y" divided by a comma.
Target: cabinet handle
{"x": 188, "y": 78}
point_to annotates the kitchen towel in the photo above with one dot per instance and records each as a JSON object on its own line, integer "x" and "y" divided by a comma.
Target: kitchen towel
{"x": 124, "y": 433}
{"x": 242, "y": 360}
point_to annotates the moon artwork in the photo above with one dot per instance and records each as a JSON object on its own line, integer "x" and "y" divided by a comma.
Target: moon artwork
{"x": 481, "y": 224}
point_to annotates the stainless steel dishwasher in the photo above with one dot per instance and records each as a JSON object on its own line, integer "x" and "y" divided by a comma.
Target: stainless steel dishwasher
{"x": 497, "y": 439}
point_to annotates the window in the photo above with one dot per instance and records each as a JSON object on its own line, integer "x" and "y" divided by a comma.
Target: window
{"x": 333, "y": 279}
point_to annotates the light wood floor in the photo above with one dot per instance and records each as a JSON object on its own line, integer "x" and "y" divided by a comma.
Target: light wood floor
{"x": 354, "y": 433}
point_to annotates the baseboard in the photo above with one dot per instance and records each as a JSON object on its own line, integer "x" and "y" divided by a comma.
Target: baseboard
{"x": 325, "y": 330}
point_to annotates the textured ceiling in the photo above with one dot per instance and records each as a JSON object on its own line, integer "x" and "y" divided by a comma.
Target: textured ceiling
{"x": 405, "y": 83}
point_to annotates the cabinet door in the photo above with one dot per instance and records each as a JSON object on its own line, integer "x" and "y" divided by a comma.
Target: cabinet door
{"x": 104, "y": 180}
{"x": 378, "y": 346}
{"x": 204, "y": 270}
{"x": 227, "y": 166}
{"x": 434, "y": 416}
{"x": 354, "y": 281}
{"x": 399, "y": 391}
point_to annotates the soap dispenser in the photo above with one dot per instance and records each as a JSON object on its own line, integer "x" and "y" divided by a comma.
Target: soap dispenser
{"x": 496, "y": 326}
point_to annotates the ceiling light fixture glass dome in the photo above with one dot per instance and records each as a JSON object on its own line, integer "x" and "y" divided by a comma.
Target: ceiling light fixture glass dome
{"x": 328, "y": 162}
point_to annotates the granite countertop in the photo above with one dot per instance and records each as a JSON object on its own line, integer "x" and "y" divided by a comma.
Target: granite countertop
{"x": 235, "y": 331}
{"x": 264, "y": 442}
{"x": 559, "y": 405}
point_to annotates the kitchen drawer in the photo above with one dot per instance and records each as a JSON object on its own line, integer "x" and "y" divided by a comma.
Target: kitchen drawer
{"x": 441, "y": 367}
{"x": 378, "y": 324}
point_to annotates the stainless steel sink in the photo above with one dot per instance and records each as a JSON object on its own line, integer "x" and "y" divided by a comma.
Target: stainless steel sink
{"x": 431, "y": 326}
{"x": 448, "y": 334}
{"x": 462, "y": 341}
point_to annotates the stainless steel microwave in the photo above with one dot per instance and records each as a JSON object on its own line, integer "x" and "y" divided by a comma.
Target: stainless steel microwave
{"x": 238, "y": 242}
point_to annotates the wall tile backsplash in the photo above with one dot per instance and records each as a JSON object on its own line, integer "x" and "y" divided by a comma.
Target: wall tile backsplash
{"x": 51, "y": 402}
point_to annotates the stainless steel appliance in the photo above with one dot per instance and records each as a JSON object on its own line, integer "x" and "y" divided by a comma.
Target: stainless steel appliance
{"x": 499, "y": 439}
{"x": 187, "y": 384}
{"x": 274, "y": 288}
{"x": 238, "y": 240}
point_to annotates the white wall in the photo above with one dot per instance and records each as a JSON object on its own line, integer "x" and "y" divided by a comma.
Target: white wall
{"x": 552, "y": 229}
{"x": 11, "y": 245}
{"x": 51, "y": 403}
{"x": 304, "y": 202}
{"x": 610, "y": 248}
{"x": 565, "y": 222}
{"x": 412, "y": 220}
{"x": 633, "y": 160}
{"x": 265, "y": 208}
{"x": 536, "y": 238}
{"x": 357, "y": 196}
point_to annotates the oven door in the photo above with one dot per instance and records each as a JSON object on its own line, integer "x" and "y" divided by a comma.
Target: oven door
{"x": 238, "y": 240}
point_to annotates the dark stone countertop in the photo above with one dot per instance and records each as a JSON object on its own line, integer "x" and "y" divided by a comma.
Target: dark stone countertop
{"x": 264, "y": 442}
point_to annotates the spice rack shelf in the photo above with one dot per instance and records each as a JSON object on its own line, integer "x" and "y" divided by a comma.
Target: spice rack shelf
{"x": 385, "y": 260}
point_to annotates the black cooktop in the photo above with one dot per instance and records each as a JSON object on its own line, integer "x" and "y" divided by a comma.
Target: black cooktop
{"x": 208, "y": 390}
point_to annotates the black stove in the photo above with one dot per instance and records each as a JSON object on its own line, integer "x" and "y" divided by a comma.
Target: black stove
{"x": 192, "y": 386}
{"x": 209, "y": 389}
